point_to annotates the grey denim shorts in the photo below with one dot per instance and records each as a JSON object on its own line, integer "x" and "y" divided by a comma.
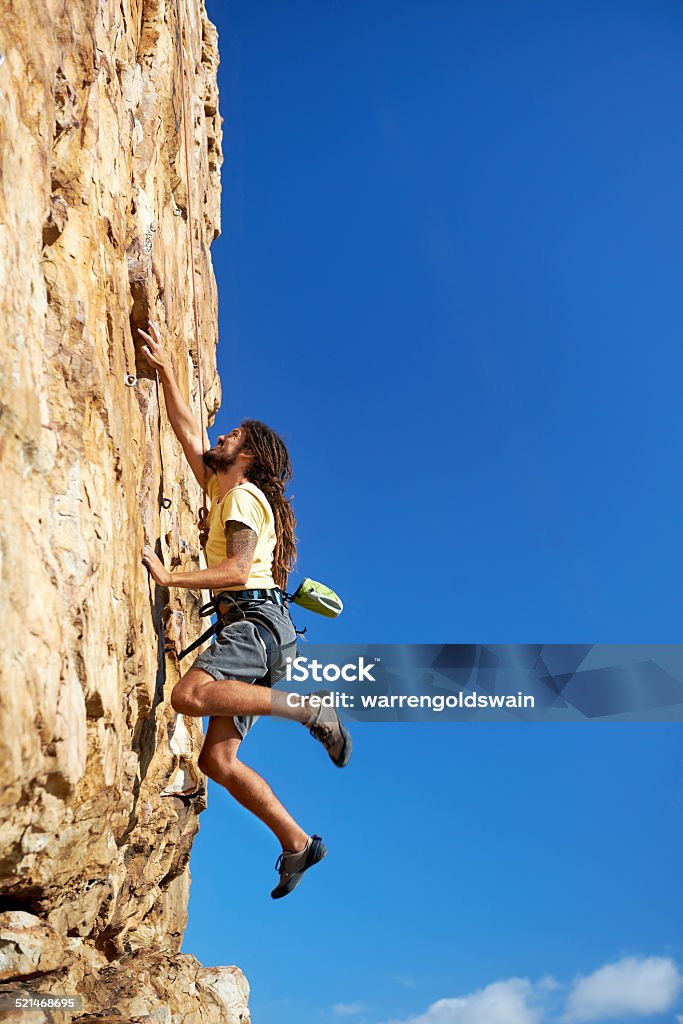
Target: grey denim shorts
{"x": 252, "y": 648}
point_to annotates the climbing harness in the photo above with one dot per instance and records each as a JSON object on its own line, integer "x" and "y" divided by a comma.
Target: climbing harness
{"x": 310, "y": 594}
{"x": 246, "y": 603}
{"x": 203, "y": 513}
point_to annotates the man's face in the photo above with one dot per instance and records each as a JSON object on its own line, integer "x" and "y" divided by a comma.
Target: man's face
{"x": 223, "y": 455}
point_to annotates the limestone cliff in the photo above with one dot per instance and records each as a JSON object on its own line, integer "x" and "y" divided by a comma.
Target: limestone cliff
{"x": 101, "y": 795}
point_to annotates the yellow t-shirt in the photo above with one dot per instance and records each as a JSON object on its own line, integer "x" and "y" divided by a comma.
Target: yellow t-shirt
{"x": 246, "y": 504}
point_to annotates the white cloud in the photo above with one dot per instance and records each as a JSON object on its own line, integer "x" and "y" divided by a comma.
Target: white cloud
{"x": 634, "y": 986}
{"x": 547, "y": 984}
{"x": 504, "y": 1002}
{"x": 347, "y": 1009}
{"x": 405, "y": 980}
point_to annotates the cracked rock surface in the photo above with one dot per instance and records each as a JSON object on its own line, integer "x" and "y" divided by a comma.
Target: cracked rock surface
{"x": 101, "y": 793}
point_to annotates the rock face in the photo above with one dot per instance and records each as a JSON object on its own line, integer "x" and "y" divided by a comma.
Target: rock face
{"x": 101, "y": 794}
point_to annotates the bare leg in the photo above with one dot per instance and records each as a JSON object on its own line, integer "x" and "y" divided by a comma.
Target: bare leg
{"x": 198, "y": 694}
{"x": 219, "y": 761}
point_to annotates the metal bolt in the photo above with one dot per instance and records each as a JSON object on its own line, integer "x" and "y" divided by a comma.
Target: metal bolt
{"x": 130, "y": 380}
{"x": 166, "y": 502}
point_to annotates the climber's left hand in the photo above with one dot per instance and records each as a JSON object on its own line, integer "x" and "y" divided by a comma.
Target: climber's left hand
{"x": 157, "y": 570}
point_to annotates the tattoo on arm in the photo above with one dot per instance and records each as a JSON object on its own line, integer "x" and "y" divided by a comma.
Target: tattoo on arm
{"x": 240, "y": 544}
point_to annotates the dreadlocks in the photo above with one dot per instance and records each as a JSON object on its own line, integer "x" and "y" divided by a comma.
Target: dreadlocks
{"x": 270, "y": 469}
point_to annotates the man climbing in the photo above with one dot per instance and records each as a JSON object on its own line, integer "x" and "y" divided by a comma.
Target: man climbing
{"x": 249, "y": 552}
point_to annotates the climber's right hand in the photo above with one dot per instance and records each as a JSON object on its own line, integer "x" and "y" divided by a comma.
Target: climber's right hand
{"x": 154, "y": 349}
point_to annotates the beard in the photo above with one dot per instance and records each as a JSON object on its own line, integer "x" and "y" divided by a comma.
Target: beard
{"x": 219, "y": 461}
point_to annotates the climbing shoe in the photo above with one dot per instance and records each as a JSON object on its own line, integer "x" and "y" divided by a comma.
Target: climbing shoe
{"x": 292, "y": 865}
{"x": 326, "y": 726}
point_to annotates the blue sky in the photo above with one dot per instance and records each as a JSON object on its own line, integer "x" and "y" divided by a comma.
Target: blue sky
{"x": 450, "y": 275}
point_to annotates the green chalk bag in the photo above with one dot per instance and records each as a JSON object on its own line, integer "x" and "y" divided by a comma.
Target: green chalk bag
{"x": 316, "y": 597}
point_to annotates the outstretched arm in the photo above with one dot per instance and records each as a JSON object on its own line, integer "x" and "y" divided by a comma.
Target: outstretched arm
{"x": 240, "y": 545}
{"x": 184, "y": 424}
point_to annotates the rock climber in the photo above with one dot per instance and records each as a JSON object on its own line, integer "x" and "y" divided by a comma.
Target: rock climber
{"x": 249, "y": 552}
